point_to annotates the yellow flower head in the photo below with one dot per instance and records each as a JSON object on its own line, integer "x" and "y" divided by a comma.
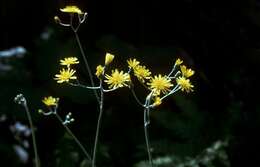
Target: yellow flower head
{"x": 109, "y": 58}
{"x": 142, "y": 73}
{"x": 69, "y": 61}
{"x": 117, "y": 79}
{"x": 132, "y": 63}
{"x": 50, "y": 101}
{"x": 71, "y": 9}
{"x": 186, "y": 72}
{"x": 157, "y": 101}
{"x": 178, "y": 62}
{"x": 65, "y": 75}
{"x": 99, "y": 70}
{"x": 160, "y": 84}
{"x": 185, "y": 84}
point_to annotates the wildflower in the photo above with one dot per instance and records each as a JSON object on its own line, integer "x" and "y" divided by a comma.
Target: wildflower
{"x": 69, "y": 61}
{"x": 65, "y": 75}
{"x": 99, "y": 70}
{"x": 157, "y": 101}
{"x": 186, "y": 72}
{"x": 160, "y": 84}
{"x": 185, "y": 84}
{"x": 117, "y": 79}
{"x": 132, "y": 63}
{"x": 109, "y": 58}
{"x": 142, "y": 73}
{"x": 178, "y": 62}
{"x": 50, "y": 101}
{"x": 71, "y": 9}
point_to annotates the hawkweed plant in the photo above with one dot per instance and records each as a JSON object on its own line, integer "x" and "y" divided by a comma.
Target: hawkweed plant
{"x": 116, "y": 80}
{"x": 159, "y": 87}
{"x": 21, "y": 100}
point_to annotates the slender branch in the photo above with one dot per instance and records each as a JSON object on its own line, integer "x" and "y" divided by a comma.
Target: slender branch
{"x": 109, "y": 90}
{"x": 83, "y": 86}
{"x": 37, "y": 163}
{"x": 73, "y": 136}
{"x": 136, "y": 98}
{"x": 173, "y": 69}
{"x": 98, "y": 123}
{"x": 175, "y": 89}
{"x": 146, "y": 111}
{"x": 71, "y": 22}
{"x": 86, "y": 64}
{"x": 177, "y": 73}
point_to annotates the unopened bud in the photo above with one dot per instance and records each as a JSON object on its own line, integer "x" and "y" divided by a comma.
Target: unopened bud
{"x": 20, "y": 99}
{"x": 57, "y": 19}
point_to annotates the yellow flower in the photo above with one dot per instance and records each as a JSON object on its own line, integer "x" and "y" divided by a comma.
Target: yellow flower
{"x": 186, "y": 72}
{"x": 160, "y": 84}
{"x": 71, "y": 9}
{"x": 178, "y": 62}
{"x": 142, "y": 73}
{"x": 69, "y": 61}
{"x": 50, "y": 101}
{"x": 185, "y": 84}
{"x": 99, "y": 70}
{"x": 132, "y": 63}
{"x": 117, "y": 79}
{"x": 65, "y": 75}
{"x": 157, "y": 101}
{"x": 109, "y": 58}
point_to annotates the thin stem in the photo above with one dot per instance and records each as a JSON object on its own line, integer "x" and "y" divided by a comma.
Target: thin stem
{"x": 83, "y": 86}
{"x": 146, "y": 111}
{"x": 109, "y": 90}
{"x": 86, "y": 64}
{"x": 173, "y": 69}
{"x": 175, "y": 89}
{"x": 98, "y": 123}
{"x": 136, "y": 98}
{"x": 73, "y": 136}
{"x": 37, "y": 163}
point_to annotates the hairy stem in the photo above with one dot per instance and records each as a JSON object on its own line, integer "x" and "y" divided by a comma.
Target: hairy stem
{"x": 73, "y": 136}
{"x": 98, "y": 123}
{"x": 37, "y": 163}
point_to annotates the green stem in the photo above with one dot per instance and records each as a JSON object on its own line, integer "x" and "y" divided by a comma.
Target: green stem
{"x": 146, "y": 123}
{"x": 73, "y": 136}
{"x": 147, "y": 136}
{"x": 37, "y": 163}
{"x": 136, "y": 98}
{"x": 86, "y": 64}
{"x": 98, "y": 123}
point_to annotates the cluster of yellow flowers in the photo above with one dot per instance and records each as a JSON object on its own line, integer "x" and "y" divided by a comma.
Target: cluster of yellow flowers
{"x": 162, "y": 84}
{"x": 183, "y": 80}
{"x": 117, "y": 79}
{"x": 67, "y": 74}
{"x": 158, "y": 84}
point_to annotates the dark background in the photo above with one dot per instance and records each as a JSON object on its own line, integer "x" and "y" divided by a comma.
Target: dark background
{"x": 218, "y": 39}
